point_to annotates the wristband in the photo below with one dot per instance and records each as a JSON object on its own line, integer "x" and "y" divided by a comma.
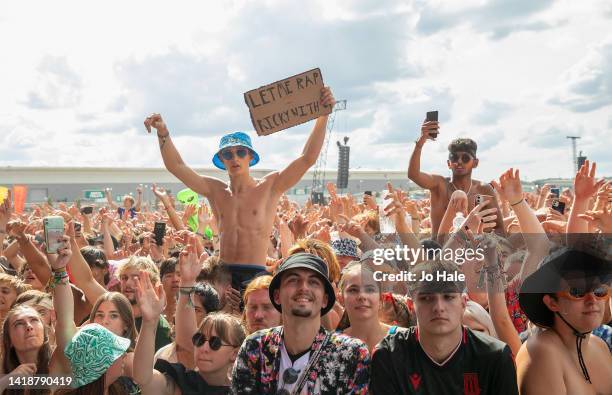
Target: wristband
{"x": 57, "y": 278}
{"x": 520, "y": 201}
{"x": 187, "y": 291}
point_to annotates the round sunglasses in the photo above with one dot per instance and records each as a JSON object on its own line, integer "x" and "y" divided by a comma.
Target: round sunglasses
{"x": 601, "y": 292}
{"x": 229, "y": 155}
{"x": 215, "y": 342}
{"x": 465, "y": 158}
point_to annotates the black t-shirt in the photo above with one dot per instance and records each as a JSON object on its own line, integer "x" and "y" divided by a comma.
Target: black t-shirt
{"x": 189, "y": 381}
{"x": 482, "y": 365}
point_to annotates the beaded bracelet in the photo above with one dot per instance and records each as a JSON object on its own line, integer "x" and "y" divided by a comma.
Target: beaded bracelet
{"x": 57, "y": 278}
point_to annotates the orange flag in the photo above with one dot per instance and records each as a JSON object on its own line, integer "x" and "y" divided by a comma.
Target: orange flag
{"x": 20, "y": 193}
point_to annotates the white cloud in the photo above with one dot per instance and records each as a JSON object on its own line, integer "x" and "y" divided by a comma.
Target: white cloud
{"x": 79, "y": 78}
{"x": 587, "y": 86}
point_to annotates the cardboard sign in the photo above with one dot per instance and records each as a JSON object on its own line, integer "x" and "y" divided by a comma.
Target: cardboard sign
{"x": 286, "y": 103}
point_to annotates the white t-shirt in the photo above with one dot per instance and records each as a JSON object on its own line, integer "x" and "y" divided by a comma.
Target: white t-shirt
{"x": 299, "y": 365}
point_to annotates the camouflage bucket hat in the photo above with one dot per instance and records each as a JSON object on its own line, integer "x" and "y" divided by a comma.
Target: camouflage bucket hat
{"x": 92, "y": 350}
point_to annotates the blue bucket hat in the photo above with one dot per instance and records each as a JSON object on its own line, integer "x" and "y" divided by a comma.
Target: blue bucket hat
{"x": 236, "y": 139}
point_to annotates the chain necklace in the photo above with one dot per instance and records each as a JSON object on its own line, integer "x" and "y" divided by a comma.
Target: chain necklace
{"x": 458, "y": 189}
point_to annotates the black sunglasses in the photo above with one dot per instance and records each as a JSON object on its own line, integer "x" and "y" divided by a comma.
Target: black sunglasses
{"x": 229, "y": 155}
{"x": 215, "y": 342}
{"x": 290, "y": 376}
{"x": 465, "y": 158}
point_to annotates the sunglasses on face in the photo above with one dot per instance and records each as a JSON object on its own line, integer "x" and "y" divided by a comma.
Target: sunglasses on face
{"x": 602, "y": 292}
{"x": 229, "y": 155}
{"x": 215, "y": 342}
{"x": 465, "y": 158}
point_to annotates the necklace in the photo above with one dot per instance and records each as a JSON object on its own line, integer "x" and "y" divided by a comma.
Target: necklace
{"x": 457, "y": 189}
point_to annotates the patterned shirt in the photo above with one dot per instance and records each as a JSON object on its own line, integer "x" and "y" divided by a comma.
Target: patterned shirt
{"x": 605, "y": 333}
{"x": 518, "y": 317}
{"x": 342, "y": 367}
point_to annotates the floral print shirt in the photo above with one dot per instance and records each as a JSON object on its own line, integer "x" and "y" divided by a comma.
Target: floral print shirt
{"x": 342, "y": 367}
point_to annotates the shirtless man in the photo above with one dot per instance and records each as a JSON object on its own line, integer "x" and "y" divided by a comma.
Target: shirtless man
{"x": 246, "y": 207}
{"x": 567, "y": 295}
{"x": 461, "y": 160}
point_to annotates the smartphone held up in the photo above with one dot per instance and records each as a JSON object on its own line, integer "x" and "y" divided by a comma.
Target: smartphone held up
{"x": 432, "y": 116}
{"x": 54, "y": 230}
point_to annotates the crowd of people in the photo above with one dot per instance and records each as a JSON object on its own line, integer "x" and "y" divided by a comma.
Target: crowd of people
{"x": 247, "y": 292}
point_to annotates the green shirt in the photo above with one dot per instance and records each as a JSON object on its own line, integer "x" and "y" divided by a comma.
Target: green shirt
{"x": 162, "y": 333}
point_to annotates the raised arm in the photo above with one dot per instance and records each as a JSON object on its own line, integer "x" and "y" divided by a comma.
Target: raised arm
{"x": 293, "y": 173}
{"x": 162, "y": 195}
{"x": 424, "y": 180}
{"x": 203, "y": 185}
{"x": 509, "y": 187}
{"x": 189, "y": 268}
{"x": 502, "y": 323}
{"x": 62, "y": 300}
{"x": 80, "y": 271}
{"x": 458, "y": 203}
{"x": 36, "y": 260}
{"x": 109, "y": 199}
{"x": 138, "y": 205}
{"x": 150, "y": 303}
{"x": 585, "y": 187}
{"x": 396, "y": 211}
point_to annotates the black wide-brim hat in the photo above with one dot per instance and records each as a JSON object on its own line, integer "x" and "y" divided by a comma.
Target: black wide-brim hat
{"x": 304, "y": 260}
{"x": 566, "y": 264}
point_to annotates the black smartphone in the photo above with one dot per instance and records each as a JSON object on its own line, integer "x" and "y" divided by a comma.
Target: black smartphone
{"x": 159, "y": 231}
{"x": 558, "y": 205}
{"x": 87, "y": 210}
{"x": 77, "y": 229}
{"x": 432, "y": 116}
{"x": 555, "y": 191}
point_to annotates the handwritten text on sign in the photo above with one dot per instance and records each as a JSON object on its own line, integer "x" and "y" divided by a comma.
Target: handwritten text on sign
{"x": 286, "y": 103}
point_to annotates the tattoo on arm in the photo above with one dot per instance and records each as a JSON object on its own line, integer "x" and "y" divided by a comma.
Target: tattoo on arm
{"x": 162, "y": 142}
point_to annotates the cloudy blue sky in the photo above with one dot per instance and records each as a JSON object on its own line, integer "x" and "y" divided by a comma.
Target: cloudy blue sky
{"x": 517, "y": 76}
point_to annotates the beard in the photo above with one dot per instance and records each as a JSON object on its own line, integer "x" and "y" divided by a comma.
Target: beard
{"x": 301, "y": 312}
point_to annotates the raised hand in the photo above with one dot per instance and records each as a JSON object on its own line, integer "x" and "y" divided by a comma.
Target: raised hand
{"x": 509, "y": 186}
{"x": 189, "y": 264}
{"x": 585, "y": 185}
{"x": 159, "y": 192}
{"x": 190, "y": 209}
{"x": 327, "y": 97}
{"x": 16, "y": 228}
{"x": 459, "y": 202}
{"x": 601, "y": 219}
{"x": 155, "y": 120}
{"x": 150, "y": 301}
{"x": 350, "y": 227}
{"x": 331, "y": 188}
{"x": 479, "y": 220}
{"x": 298, "y": 226}
{"x": 426, "y": 128}
{"x": 64, "y": 253}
